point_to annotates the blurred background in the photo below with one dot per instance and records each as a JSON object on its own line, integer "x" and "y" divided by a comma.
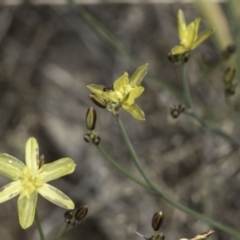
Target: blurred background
{"x": 50, "y": 52}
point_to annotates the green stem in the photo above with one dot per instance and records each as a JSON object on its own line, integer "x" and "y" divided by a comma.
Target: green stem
{"x": 63, "y": 229}
{"x": 121, "y": 169}
{"x": 39, "y": 227}
{"x": 186, "y": 88}
{"x": 197, "y": 117}
{"x": 165, "y": 196}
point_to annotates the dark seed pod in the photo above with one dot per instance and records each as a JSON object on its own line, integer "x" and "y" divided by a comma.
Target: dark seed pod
{"x": 100, "y": 102}
{"x": 96, "y": 140}
{"x": 81, "y": 213}
{"x": 91, "y": 118}
{"x": 68, "y": 216}
{"x": 157, "y": 220}
{"x": 87, "y": 138}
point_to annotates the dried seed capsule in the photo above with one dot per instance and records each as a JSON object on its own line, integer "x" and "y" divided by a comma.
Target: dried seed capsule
{"x": 87, "y": 138}
{"x": 100, "y": 102}
{"x": 91, "y": 118}
{"x": 96, "y": 140}
{"x": 68, "y": 216}
{"x": 81, "y": 213}
{"x": 157, "y": 220}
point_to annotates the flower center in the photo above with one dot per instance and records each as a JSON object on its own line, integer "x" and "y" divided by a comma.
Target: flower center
{"x": 123, "y": 92}
{"x": 30, "y": 182}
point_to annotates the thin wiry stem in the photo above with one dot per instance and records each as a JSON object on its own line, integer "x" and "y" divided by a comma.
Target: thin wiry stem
{"x": 164, "y": 195}
{"x": 39, "y": 226}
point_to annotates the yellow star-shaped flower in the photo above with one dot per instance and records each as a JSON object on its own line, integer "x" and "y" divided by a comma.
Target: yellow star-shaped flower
{"x": 29, "y": 180}
{"x": 188, "y": 35}
{"x": 123, "y": 93}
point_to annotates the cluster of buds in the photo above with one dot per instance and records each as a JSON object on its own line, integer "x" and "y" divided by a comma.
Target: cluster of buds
{"x": 178, "y": 58}
{"x": 71, "y": 217}
{"x": 229, "y": 83}
{"x": 91, "y": 136}
{"x": 176, "y": 110}
{"x": 157, "y": 221}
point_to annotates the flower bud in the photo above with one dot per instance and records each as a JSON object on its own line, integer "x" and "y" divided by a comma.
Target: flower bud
{"x": 87, "y": 138}
{"x": 69, "y": 219}
{"x": 157, "y": 220}
{"x": 100, "y": 102}
{"x": 96, "y": 140}
{"x": 229, "y": 83}
{"x": 229, "y": 74}
{"x": 91, "y": 118}
{"x": 176, "y": 110}
{"x": 81, "y": 213}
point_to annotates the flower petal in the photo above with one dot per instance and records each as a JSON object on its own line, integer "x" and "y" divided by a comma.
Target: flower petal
{"x": 190, "y": 36}
{"x": 56, "y": 169}
{"x": 26, "y": 209}
{"x": 196, "y": 27}
{"x": 10, "y": 190}
{"x": 10, "y": 166}
{"x": 203, "y": 36}
{"x": 138, "y": 75}
{"x": 179, "y": 49}
{"x": 135, "y": 93}
{"x": 182, "y": 28}
{"x": 32, "y": 154}
{"x": 108, "y": 95}
{"x": 121, "y": 81}
{"x": 55, "y": 196}
{"x": 135, "y": 110}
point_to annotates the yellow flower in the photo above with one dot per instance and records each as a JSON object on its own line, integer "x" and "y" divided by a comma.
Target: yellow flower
{"x": 188, "y": 35}
{"x": 29, "y": 180}
{"x": 123, "y": 93}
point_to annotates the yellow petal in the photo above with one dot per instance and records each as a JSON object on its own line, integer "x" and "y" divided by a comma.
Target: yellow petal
{"x": 138, "y": 75}
{"x": 10, "y": 166}
{"x": 55, "y": 196}
{"x": 120, "y": 82}
{"x": 190, "y": 36}
{"x": 182, "y": 28}
{"x": 135, "y": 110}
{"x": 203, "y": 36}
{"x": 179, "y": 49}
{"x": 196, "y": 27}
{"x": 135, "y": 93}
{"x": 10, "y": 190}
{"x": 95, "y": 88}
{"x": 32, "y": 154}
{"x": 56, "y": 169}
{"x": 108, "y": 95}
{"x": 26, "y": 209}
